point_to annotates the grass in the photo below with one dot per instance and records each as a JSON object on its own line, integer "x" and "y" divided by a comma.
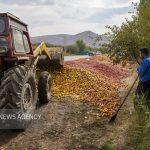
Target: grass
{"x": 138, "y": 136}
{"x": 107, "y": 146}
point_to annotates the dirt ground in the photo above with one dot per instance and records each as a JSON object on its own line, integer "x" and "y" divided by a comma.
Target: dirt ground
{"x": 71, "y": 125}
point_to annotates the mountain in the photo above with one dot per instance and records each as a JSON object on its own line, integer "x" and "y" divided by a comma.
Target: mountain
{"x": 65, "y": 39}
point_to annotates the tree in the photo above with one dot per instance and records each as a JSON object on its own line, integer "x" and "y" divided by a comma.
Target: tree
{"x": 126, "y": 40}
{"x": 72, "y": 49}
{"x": 124, "y": 43}
{"x": 80, "y": 45}
{"x": 144, "y": 22}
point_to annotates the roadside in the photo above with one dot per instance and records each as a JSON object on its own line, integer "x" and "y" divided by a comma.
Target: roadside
{"x": 117, "y": 132}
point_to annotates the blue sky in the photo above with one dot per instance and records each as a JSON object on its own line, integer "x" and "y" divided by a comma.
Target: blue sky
{"x": 68, "y": 16}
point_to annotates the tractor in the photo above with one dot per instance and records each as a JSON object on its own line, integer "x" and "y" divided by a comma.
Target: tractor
{"x": 20, "y": 87}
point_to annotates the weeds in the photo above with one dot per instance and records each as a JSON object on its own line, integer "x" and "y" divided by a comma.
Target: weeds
{"x": 138, "y": 137}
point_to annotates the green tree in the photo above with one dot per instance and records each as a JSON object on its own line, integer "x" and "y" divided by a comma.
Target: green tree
{"x": 124, "y": 43}
{"x": 126, "y": 40}
{"x": 144, "y": 22}
{"x": 80, "y": 45}
{"x": 72, "y": 49}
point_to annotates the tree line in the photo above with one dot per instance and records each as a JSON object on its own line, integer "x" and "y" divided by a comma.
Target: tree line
{"x": 77, "y": 48}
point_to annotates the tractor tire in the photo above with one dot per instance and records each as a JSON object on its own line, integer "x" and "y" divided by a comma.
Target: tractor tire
{"x": 44, "y": 87}
{"x": 18, "y": 94}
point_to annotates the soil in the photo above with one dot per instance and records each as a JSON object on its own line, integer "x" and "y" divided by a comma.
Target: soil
{"x": 71, "y": 125}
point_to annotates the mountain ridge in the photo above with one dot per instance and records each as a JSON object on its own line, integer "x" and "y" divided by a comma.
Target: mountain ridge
{"x": 88, "y": 37}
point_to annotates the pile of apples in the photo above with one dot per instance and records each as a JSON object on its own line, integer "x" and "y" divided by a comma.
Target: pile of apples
{"x": 98, "y": 66}
{"x": 90, "y": 80}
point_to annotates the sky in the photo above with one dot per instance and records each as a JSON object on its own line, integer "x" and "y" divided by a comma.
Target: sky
{"x": 46, "y": 17}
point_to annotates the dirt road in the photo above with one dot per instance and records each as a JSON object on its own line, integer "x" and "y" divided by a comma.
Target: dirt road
{"x": 66, "y": 125}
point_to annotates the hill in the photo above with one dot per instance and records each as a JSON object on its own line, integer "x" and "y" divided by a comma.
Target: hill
{"x": 65, "y": 39}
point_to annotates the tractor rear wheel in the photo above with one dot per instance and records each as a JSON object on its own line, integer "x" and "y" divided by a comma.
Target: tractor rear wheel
{"x": 44, "y": 87}
{"x": 18, "y": 93}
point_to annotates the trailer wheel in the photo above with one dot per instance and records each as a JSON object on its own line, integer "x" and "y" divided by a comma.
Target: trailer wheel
{"x": 44, "y": 87}
{"x": 18, "y": 95}
{"x": 61, "y": 60}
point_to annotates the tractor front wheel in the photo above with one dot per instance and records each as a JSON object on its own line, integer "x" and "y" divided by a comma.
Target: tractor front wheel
{"x": 18, "y": 94}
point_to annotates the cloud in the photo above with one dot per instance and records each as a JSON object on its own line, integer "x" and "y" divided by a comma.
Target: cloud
{"x": 28, "y": 2}
{"x": 96, "y": 3}
{"x": 106, "y": 14}
{"x": 67, "y": 16}
{"x": 73, "y": 3}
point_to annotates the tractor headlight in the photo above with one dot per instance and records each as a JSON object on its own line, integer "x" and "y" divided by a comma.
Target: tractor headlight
{"x": 3, "y": 49}
{"x": 3, "y": 45}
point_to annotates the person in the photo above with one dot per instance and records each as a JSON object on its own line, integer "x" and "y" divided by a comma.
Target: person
{"x": 143, "y": 88}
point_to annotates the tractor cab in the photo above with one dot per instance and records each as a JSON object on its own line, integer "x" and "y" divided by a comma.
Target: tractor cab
{"x": 14, "y": 37}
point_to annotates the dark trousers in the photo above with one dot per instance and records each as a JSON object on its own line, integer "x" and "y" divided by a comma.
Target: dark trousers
{"x": 143, "y": 90}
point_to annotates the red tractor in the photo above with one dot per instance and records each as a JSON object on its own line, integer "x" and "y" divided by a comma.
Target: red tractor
{"x": 19, "y": 87}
